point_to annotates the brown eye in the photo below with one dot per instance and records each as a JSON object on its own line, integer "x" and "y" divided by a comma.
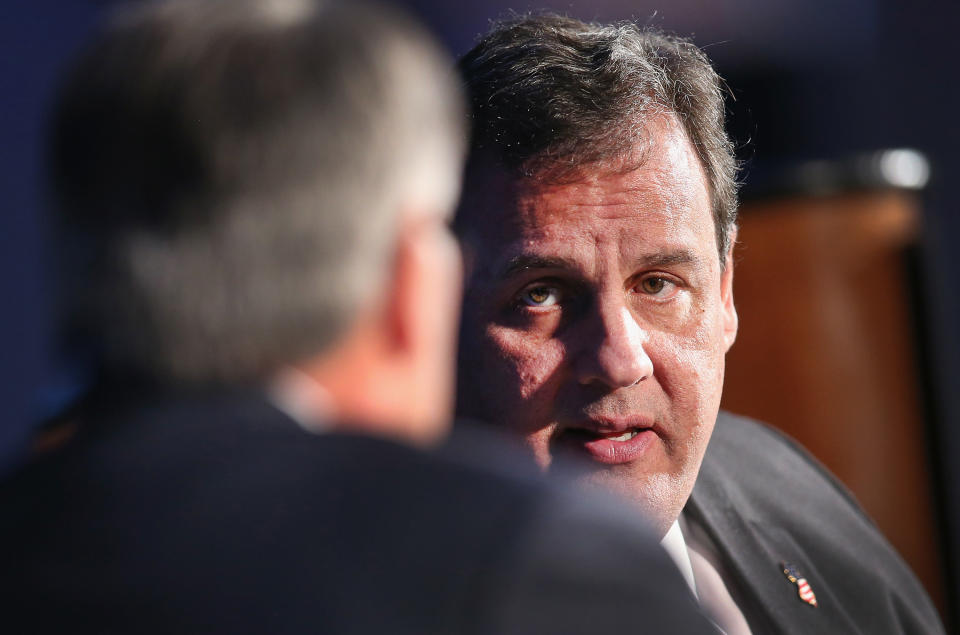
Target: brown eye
{"x": 653, "y": 285}
{"x": 540, "y": 295}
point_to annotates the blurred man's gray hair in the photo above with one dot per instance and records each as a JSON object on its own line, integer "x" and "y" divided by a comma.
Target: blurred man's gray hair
{"x": 230, "y": 175}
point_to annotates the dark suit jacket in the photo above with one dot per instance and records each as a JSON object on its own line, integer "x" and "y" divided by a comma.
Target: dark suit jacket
{"x": 217, "y": 514}
{"x": 765, "y": 501}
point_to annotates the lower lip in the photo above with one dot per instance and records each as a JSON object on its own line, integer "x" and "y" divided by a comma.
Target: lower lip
{"x": 614, "y": 452}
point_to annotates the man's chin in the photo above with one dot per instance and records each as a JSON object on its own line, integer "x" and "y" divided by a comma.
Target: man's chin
{"x": 660, "y": 497}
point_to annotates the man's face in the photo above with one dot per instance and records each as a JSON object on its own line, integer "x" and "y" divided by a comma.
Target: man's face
{"x": 596, "y": 319}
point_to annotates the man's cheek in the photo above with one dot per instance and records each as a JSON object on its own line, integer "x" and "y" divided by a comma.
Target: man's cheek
{"x": 525, "y": 364}
{"x": 686, "y": 370}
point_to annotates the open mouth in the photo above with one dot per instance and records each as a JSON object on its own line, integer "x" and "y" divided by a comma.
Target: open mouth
{"x": 612, "y": 447}
{"x": 626, "y": 436}
{"x": 584, "y": 434}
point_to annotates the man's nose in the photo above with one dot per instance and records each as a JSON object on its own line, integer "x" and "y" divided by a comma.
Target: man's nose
{"x": 615, "y": 354}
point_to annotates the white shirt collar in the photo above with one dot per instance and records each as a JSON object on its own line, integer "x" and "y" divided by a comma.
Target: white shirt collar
{"x": 300, "y": 397}
{"x": 676, "y": 547}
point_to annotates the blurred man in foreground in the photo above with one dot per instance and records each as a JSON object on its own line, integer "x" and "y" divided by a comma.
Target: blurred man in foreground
{"x": 599, "y": 218}
{"x": 257, "y": 196}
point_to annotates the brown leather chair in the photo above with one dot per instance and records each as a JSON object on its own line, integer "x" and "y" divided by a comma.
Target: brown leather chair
{"x": 827, "y": 349}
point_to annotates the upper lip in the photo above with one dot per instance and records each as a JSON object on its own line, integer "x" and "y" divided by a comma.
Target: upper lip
{"x": 604, "y": 425}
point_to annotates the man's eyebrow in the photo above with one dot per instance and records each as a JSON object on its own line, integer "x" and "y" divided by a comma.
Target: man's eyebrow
{"x": 665, "y": 259}
{"x": 526, "y": 262}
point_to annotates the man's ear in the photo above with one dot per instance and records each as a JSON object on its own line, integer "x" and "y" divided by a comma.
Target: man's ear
{"x": 731, "y": 322}
{"x": 425, "y": 283}
{"x": 402, "y": 298}
{"x": 421, "y": 319}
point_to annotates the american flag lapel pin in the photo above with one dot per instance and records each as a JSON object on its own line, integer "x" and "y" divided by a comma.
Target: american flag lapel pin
{"x": 803, "y": 587}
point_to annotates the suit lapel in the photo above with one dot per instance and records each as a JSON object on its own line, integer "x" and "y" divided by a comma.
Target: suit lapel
{"x": 709, "y": 507}
{"x": 755, "y": 554}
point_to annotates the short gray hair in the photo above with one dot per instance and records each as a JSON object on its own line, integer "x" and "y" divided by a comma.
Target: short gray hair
{"x": 231, "y": 173}
{"x": 551, "y": 94}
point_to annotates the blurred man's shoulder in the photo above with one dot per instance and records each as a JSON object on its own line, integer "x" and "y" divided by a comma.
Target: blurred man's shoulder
{"x": 210, "y": 498}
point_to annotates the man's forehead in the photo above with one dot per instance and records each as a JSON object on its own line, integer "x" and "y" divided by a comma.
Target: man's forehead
{"x": 646, "y": 194}
{"x": 656, "y": 205}
{"x": 627, "y": 208}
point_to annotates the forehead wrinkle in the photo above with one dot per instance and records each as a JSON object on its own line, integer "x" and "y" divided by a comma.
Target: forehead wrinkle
{"x": 637, "y": 253}
{"x": 534, "y": 247}
{"x": 642, "y": 197}
{"x": 633, "y": 248}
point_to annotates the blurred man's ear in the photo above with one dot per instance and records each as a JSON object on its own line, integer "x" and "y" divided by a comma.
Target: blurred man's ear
{"x": 421, "y": 316}
{"x": 731, "y": 321}
{"x": 409, "y": 297}
{"x": 400, "y": 308}
{"x": 392, "y": 372}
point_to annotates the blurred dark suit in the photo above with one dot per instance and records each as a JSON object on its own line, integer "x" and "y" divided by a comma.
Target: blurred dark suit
{"x": 217, "y": 513}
